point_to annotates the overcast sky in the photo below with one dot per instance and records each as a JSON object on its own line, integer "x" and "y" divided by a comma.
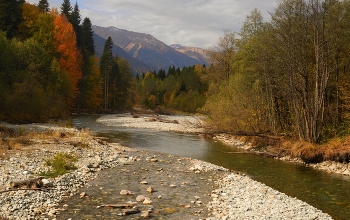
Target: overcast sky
{"x": 197, "y": 23}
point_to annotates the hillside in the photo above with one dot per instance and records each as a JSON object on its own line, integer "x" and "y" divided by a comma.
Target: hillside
{"x": 136, "y": 65}
{"x": 146, "y": 48}
{"x": 195, "y": 52}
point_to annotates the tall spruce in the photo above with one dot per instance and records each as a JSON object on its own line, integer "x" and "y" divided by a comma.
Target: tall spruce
{"x": 106, "y": 63}
{"x": 87, "y": 35}
{"x": 10, "y": 16}
{"x": 75, "y": 20}
{"x": 66, "y": 8}
{"x": 44, "y": 6}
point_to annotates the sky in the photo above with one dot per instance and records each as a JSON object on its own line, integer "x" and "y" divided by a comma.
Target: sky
{"x": 196, "y": 23}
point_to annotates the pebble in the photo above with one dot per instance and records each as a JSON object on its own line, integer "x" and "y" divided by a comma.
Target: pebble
{"x": 144, "y": 182}
{"x": 147, "y": 201}
{"x": 140, "y": 198}
{"x": 125, "y": 192}
{"x": 150, "y": 189}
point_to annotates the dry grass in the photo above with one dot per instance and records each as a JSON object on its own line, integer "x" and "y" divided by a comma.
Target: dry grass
{"x": 335, "y": 149}
{"x": 18, "y": 138}
{"x": 308, "y": 152}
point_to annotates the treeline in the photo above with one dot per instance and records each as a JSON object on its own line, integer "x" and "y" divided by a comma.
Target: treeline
{"x": 48, "y": 64}
{"x": 289, "y": 75}
{"x": 180, "y": 89}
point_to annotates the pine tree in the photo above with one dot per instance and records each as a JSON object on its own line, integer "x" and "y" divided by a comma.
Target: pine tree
{"x": 44, "y": 6}
{"x": 87, "y": 37}
{"x": 106, "y": 67}
{"x": 161, "y": 74}
{"x": 66, "y": 8}
{"x": 75, "y": 20}
{"x": 10, "y": 16}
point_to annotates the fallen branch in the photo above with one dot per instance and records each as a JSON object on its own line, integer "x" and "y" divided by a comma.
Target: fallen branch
{"x": 130, "y": 211}
{"x": 119, "y": 206}
{"x": 30, "y": 183}
{"x": 41, "y": 189}
{"x": 235, "y": 152}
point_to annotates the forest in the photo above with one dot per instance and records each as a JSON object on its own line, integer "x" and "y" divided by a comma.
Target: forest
{"x": 49, "y": 67}
{"x": 287, "y": 76}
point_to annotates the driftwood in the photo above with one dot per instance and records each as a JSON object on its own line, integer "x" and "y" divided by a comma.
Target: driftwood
{"x": 119, "y": 206}
{"x": 28, "y": 184}
{"x": 40, "y": 189}
{"x": 130, "y": 211}
{"x": 236, "y": 152}
{"x": 162, "y": 120}
{"x": 126, "y": 208}
{"x": 266, "y": 154}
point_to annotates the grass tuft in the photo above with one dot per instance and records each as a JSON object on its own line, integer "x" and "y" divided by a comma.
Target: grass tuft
{"x": 60, "y": 164}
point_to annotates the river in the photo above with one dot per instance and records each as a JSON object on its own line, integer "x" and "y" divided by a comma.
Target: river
{"x": 325, "y": 191}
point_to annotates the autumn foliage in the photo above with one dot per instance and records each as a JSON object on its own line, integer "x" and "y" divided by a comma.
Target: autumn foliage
{"x": 68, "y": 55}
{"x": 49, "y": 67}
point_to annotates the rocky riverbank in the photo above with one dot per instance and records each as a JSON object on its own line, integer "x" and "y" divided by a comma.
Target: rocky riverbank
{"x": 194, "y": 189}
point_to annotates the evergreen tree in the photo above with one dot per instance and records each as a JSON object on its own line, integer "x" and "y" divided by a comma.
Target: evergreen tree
{"x": 114, "y": 78}
{"x": 44, "y": 6}
{"x": 123, "y": 84}
{"x": 106, "y": 67}
{"x": 171, "y": 70}
{"x": 10, "y": 16}
{"x": 75, "y": 20}
{"x": 90, "y": 86}
{"x": 87, "y": 37}
{"x": 66, "y": 8}
{"x": 161, "y": 74}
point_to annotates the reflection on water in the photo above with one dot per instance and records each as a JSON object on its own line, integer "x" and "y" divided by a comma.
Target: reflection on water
{"x": 328, "y": 192}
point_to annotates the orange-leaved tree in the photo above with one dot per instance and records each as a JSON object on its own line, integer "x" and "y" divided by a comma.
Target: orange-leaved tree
{"x": 69, "y": 57}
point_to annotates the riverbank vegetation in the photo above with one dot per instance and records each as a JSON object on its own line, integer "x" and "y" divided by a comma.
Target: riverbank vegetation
{"x": 287, "y": 77}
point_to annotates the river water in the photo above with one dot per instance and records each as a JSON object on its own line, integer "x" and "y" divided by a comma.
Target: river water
{"x": 328, "y": 192}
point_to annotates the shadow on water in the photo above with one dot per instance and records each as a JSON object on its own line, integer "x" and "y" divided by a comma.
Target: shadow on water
{"x": 328, "y": 192}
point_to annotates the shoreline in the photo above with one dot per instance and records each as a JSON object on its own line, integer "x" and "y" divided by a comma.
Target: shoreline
{"x": 196, "y": 125}
{"x": 326, "y": 166}
{"x": 258, "y": 199}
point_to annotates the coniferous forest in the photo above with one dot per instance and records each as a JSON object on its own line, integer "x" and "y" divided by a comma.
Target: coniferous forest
{"x": 288, "y": 75}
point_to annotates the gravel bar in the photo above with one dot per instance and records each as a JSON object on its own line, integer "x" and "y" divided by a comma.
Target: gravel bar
{"x": 233, "y": 197}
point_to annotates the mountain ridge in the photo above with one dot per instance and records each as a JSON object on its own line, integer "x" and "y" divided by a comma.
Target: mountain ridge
{"x": 137, "y": 66}
{"x": 146, "y": 49}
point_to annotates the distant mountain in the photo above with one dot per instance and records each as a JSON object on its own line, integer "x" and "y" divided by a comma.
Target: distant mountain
{"x": 176, "y": 46}
{"x": 146, "y": 48}
{"x": 137, "y": 65}
{"x": 197, "y": 53}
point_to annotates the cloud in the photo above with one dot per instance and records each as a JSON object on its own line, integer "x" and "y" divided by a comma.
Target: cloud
{"x": 190, "y": 23}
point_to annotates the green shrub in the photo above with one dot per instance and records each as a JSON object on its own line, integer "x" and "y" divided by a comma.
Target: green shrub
{"x": 60, "y": 164}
